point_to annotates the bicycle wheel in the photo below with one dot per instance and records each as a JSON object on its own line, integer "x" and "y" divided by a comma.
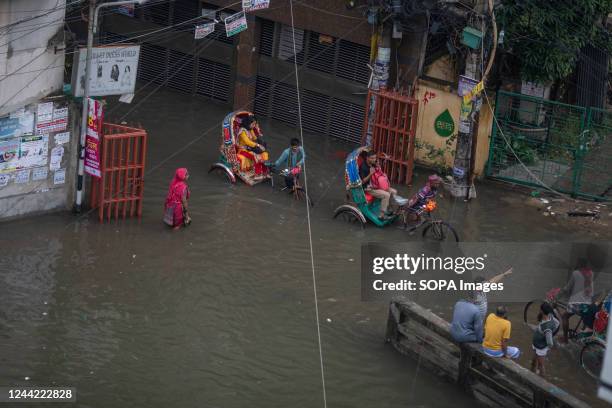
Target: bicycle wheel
{"x": 301, "y": 195}
{"x": 592, "y": 356}
{"x": 440, "y": 231}
{"x": 531, "y": 312}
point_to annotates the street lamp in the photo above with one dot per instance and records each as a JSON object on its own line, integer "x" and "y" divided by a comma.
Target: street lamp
{"x": 91, "y": 30}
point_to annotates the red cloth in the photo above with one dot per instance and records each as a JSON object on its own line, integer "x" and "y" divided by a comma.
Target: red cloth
{"x": 178, "y": 189}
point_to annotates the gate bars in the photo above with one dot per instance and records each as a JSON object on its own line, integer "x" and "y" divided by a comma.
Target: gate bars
{"x": 119, "y": 192}
{"x": 393, "y": 133}
{"x": 567, "y": 147}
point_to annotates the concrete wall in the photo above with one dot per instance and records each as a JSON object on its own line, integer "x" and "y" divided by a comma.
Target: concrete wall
{"x": 433, "y": 100}
{"x": 31, "y": 68}
{"x": 28, "y": 51}
{"x": 28, "y": 188}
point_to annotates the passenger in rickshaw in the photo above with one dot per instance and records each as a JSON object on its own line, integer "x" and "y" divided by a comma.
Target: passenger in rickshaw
{"x": 251, "y": 148}
{"x": 428, "y": 192}
{"x": 290, "y": 162}
{"x": 376, "y": 183}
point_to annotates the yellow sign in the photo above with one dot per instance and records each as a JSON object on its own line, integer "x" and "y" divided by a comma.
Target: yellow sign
{"x": 475, "y": 91}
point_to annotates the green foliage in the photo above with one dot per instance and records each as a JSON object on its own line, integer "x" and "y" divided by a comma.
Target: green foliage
{"x": 436, "y": 155}
{"x": 546, "y": 36}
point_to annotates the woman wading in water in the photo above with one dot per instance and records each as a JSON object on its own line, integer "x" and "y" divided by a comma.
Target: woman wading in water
{"x": 176, "y": 212}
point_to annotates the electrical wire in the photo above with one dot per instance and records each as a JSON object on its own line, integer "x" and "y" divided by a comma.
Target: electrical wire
{"x": 307, "y": 201}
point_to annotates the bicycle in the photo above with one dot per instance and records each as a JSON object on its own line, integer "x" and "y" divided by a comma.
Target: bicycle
{"x": 433, "y": 228}
{"x": 297, "y": 190}
{"x": 593, "y": 345}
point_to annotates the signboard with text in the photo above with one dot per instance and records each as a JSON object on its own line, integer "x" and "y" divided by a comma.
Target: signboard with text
{"x": 92, "y": 139}
{"x": 113, "y": 70}
{"x": 236, "y": 23}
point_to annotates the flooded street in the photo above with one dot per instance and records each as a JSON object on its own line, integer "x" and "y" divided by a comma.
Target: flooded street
{"x": 222, "y": 314}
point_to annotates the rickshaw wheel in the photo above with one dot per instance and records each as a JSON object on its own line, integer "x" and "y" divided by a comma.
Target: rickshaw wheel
{"x": 222, "y": 170}
{"x": 440, "y": 231}
{"x": 350, "y": 214}
{"x": 301, "y": 195}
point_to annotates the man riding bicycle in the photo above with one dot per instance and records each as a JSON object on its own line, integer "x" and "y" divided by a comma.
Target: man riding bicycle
{"x": 428, "y": 192}
{"x": 580, "y": 291}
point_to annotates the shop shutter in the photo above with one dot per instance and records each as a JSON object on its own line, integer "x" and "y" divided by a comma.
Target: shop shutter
{"x": 262, "y": 96}
{"x": 284, "y": 103}
{"x": 353, "y": 62}
{"x": 152, "y": 63}
{"x": 315, "y": 109}
{"x": 266, "y": 37}
{"x": 321, "y": 55}
{"x": 346, "y": 120}
{"x": 111, "y": 38}
{"x": 285, "y": 44}
{"x": 213, "y": 80}
{"x": 184, "y": 10}
{"x": 180, "y": 72}
{"x": 157, "y": 13}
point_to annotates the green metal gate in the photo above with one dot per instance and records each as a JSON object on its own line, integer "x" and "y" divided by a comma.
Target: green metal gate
{"x": 566, "y": 147}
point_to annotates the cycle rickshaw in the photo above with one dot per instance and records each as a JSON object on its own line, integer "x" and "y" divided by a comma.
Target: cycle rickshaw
{"x": 362, "y": 207}
{"x": 229, "y": 163}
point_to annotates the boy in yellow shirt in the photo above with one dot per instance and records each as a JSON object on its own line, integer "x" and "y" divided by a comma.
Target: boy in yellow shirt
{"x": 497, "y": 334}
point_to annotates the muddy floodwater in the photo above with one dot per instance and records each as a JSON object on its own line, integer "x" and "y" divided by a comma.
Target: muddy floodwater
{"x": 222, "y": 314}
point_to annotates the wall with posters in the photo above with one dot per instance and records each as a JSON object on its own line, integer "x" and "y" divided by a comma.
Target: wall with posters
{"x": 31, "y": 51}
{"x": 434, "y": 101}
{"x": 38, "y": 157}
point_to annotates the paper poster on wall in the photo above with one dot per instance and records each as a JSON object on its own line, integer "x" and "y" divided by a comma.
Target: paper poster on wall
{"x": 62, "y": 138}
{"x": 26, "y": 123}
{"x": 9, "y": 155}
{"x": 236, "y": 23}
{"x": 44, "y": 112}
{"x": 4, "y": 179}
{"x": 59, "y": 177}
{"x": 33, "y": 151}
{"x": 57, "y": 151}
{"x": 532, "y": 89}
{"x": 22, "y": 176}
{"x": 113, "y": 70}
{"x": 58, "y": 122}
{"x": 39, "y": 173}
{"x": 8, "y": 127}
{"x": 56, "y": 162}
{"x": 17, "y": 114}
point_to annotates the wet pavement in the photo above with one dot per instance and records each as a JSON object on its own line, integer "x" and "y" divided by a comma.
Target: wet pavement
{"x": 221, "y": 314}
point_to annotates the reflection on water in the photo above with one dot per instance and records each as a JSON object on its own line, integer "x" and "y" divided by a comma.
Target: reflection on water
{"x": 220, "y": 314}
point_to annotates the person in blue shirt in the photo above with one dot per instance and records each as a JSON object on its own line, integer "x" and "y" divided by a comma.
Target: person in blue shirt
{"x": 467, "y": 325}
{"x": 290, "y": 162}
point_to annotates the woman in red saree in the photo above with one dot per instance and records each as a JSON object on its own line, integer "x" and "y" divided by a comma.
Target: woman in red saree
{"x": 175, "y": 210}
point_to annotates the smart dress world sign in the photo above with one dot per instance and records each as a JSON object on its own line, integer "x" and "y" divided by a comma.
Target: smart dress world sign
{"x": 113, "y": 70}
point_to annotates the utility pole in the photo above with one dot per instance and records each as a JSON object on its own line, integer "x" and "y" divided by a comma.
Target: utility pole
{"x": 463, "y": 167}
{"x": 92, "y": 28}
{"x": 81, "y": 168}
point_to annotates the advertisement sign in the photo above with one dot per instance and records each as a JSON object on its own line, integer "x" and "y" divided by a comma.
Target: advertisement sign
{"x": 466, "y": 84}
{"x": 203, "y": 30}
{"x": 33, "y": 151}
{"x": 246, "y": 4}
{"x": 8, "y": 127}
{"x": 113, "y": 70}
{"x": 9, "y": 155}
{"x": 126, "y": 10}
{"x": 236, "y": 23}
{"x": 92, "y": 140}
{"x": 258, "y": 5}
{"x": 444, "y": 124}
{"x": 532, "y": 89}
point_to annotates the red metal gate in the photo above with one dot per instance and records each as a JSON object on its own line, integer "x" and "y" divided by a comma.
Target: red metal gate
{"x": 119, "y": 191}
{"x": 394, "y": 132}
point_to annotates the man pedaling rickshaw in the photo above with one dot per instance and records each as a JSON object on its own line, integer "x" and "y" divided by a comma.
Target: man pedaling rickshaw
{"x": 417, "y": 204}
